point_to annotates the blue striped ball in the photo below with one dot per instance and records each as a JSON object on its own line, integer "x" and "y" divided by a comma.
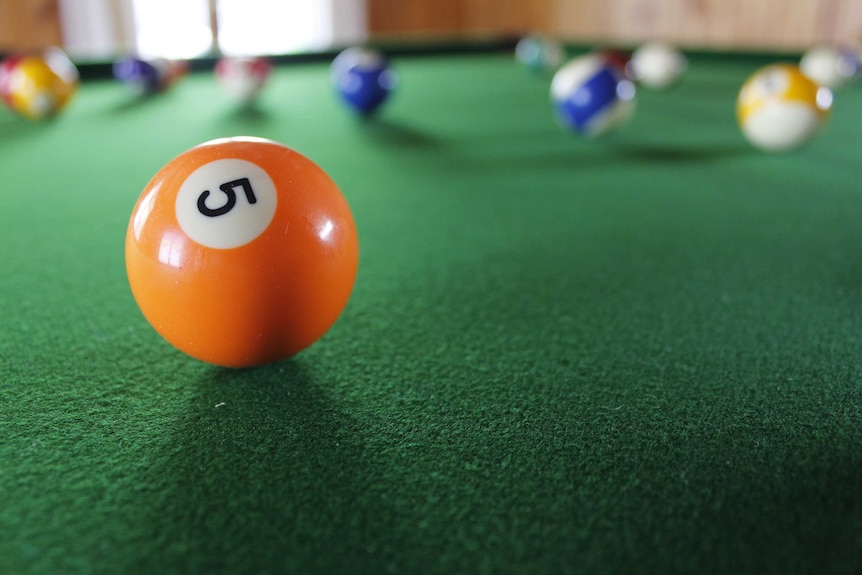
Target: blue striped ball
{"x": 591, "y": 96}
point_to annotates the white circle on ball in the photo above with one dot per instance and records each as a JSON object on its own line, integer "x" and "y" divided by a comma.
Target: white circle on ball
{"x": 226, "y": 203}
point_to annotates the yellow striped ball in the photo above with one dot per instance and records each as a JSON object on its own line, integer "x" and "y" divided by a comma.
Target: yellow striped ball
{"x": 40, "y": 86}
{"x": 780, "y": 109}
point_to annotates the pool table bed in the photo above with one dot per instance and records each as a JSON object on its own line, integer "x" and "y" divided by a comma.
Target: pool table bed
{"x": 634, "y": 354}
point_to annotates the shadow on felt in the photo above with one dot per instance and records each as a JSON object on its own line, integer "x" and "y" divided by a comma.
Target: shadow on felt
{"x": 130, "y": 102}
{"x": 394, "y": 133}
{"x": 609, "y": 154}
{"x": 247, "y": 113}
{"x": 669, "y": 153}
{"x": 264, "y": 474}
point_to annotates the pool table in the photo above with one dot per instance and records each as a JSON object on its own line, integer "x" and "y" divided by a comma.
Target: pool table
{"x": 634, "y": 354}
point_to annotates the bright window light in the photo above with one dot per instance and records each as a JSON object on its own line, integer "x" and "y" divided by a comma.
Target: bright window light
{"x": 172, "y": 29}
{"x": 248, "y": 27}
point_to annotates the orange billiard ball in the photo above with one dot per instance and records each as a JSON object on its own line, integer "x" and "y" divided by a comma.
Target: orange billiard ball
{"x": 241, "y": 252}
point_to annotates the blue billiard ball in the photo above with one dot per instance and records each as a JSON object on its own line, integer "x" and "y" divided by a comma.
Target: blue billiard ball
{"x": 591, "y": 96}
{"x": 140, "y": 76}
{"x": 363, "y": 78}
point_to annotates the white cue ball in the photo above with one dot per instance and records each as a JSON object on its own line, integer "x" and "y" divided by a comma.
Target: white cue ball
{"x": 828, "y": 66}
{"x": 657, "y": 65}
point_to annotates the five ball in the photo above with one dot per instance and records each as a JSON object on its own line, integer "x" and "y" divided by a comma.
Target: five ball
{"x": 241, "y": 252}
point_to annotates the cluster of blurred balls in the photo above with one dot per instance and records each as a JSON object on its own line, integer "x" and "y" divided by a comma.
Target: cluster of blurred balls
{"x": 780, "y": 107}
{"x": 39, "y": 86}
{"x": 147, "y": 77}
{"x": 363, "y": 78}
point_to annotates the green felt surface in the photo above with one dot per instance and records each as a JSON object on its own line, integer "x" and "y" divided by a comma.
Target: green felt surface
{"x": 634, "y": 355}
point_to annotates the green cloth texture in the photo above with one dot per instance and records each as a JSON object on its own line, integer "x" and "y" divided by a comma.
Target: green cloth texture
{"x": 636, "y": 354}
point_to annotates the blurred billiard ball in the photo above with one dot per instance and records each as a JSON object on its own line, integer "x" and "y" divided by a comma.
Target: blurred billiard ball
{"x": 830, "y": 66}
{"x": 657, "y": 65}
{"x": 779, "y": 108}
{"x": 141, "y": 77}
{"x": 241, "y": 252}
{"x": 38, "y": 86}
{"x": 363, "y": 78}
{"x": 145, "y": 77}
{"x": 591, "y": 96}
{"x": 242, "y": 79}
{"x": 539, "y": 53}
{"x": 619, "y": 59}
